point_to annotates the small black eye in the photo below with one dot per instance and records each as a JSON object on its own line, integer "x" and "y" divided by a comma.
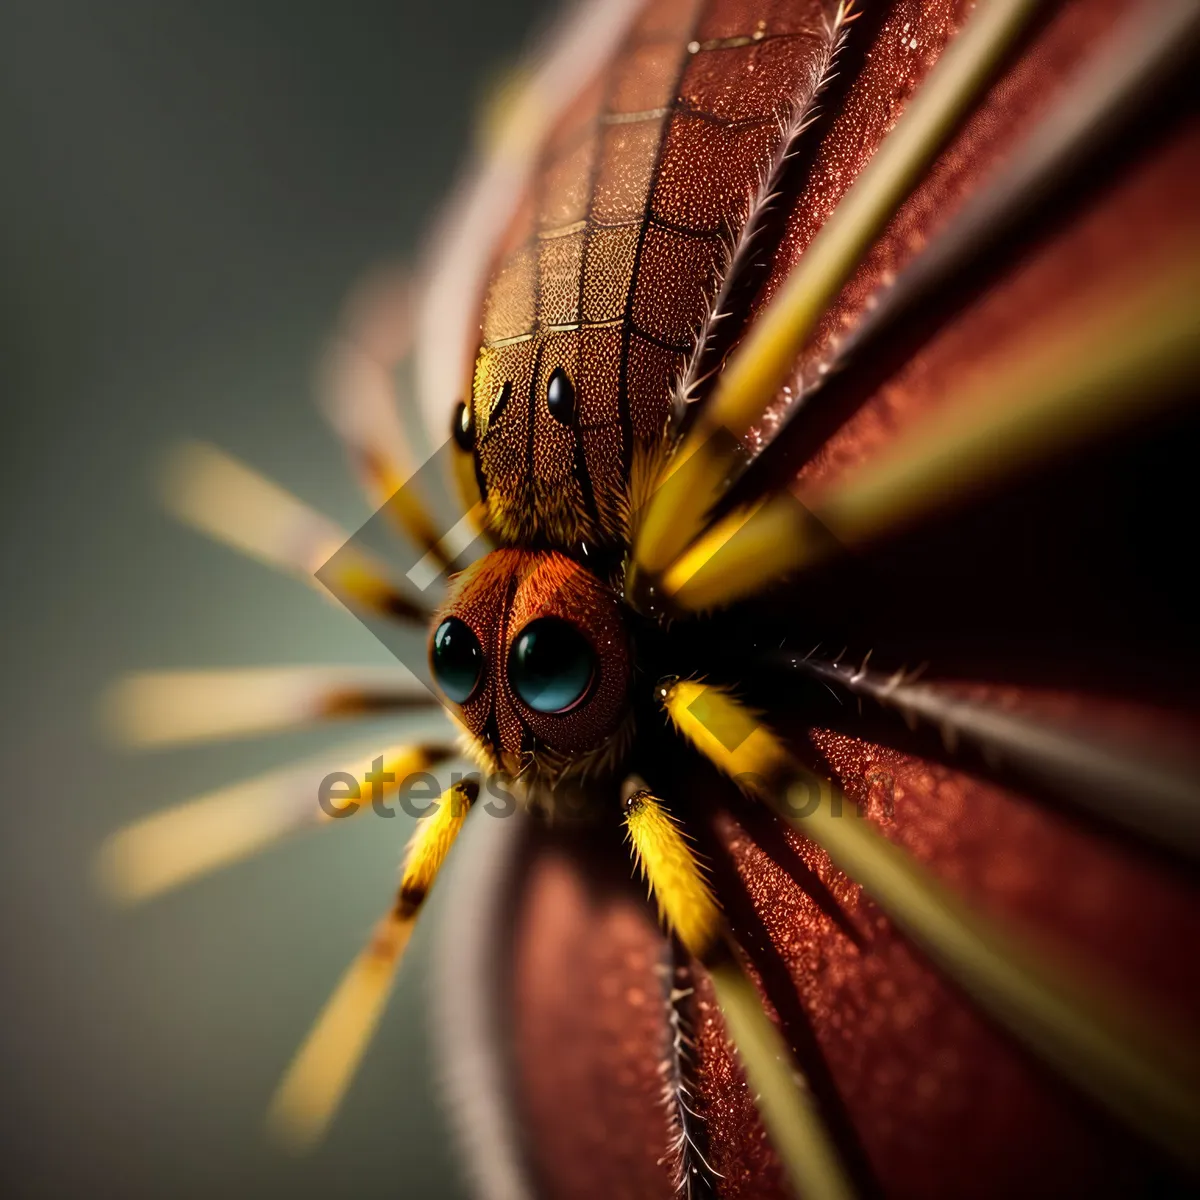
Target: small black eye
{"x": 551, "y": 665}
{"x": 464, "y": 435}
{"x": 500, "y": 402}
{"x": 457, "y": 660}
{"x": 560, "y": 397}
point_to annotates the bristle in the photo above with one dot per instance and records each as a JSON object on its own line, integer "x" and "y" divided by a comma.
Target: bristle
{"x": 685, "y": 902}
{"x": 231, "y": 502}
{"x": 802, "y": 113}
{"x": 1036, "y": 188}
{"x": 1122, "y": 79}
{"x": 689, "y": 910}
{"x": 182, "y": 843}
{"x": 321, "y": 1072}
{"x": 761, "y": 365}
{"x": 1111, "y": 365}
{"x": 693, "y": 1176}
{"x": 1127, "y": 1061}
{"x": 1096, "y": 777}
{"x": 154, "y": 709}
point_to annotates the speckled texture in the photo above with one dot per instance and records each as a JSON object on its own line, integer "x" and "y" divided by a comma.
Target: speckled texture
{"x": 942, "y": 1103}
{"x": 927, "y": 1097}
{"x": 590, "y": 1024}
{"x": 1074, "y": 270}
{"x": 1070, "y": 889}
{"x": 905, "y": 46}
{"x": 614, "y": 261}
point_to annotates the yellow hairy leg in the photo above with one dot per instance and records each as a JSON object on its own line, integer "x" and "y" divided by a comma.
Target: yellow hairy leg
{"x": 321, "y": 1072}
{"x": 232, "y": 503}
{"x": 1115, "y": 364}
{"x": 686, "y": 905}
{"x": 1123, "y": 1059}
{"x": 671, "y": 870}
{"x": 760, "y": 367}
{"x": 187, "y": 841}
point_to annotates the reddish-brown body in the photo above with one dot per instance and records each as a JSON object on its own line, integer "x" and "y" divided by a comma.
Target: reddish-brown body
{"x": 610, "y": 270}
{"x": 613, "y": 259}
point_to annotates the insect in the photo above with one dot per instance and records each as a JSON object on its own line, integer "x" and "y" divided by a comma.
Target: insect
{"x": 755, "y": 321}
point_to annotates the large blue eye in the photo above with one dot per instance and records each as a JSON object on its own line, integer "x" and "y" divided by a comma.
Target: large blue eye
{"x": 551, "y": 665}
{"x": 457, "y": 659}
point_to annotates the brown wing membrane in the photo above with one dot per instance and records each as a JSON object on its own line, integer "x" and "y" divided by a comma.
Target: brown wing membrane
{"x": 590, "y": 994}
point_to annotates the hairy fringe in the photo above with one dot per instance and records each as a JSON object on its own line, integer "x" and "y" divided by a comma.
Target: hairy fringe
{"x": 692, "y": 1175}
{"x": 804, "y": 110}
{"x": 546, "y": 772}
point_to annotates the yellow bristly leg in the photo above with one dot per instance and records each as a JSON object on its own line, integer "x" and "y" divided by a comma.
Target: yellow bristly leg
{"x": 310, "y": 1093}
{"x": 189, "y": 840}
{"x": 233, "y": 503}
{"x": 1129, "y": 1063}
{"x": 673, "y": 874}
{"x": 1116, "y": 363}
{"x": 687, "y": 906}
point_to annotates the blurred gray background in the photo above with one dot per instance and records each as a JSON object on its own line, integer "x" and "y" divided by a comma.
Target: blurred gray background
{"x": 188, "y": 191}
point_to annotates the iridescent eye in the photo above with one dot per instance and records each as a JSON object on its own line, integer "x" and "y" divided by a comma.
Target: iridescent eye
{"x": 457, "y": 659}
{"x": 551, "y": 665}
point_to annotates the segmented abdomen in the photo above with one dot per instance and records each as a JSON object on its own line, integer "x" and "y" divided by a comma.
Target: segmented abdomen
{"x": 614, "y": 259}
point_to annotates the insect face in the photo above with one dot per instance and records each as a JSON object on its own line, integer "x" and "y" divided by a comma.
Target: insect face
{"x": 699, "y": 230}
{"x": 532, "y": 653}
